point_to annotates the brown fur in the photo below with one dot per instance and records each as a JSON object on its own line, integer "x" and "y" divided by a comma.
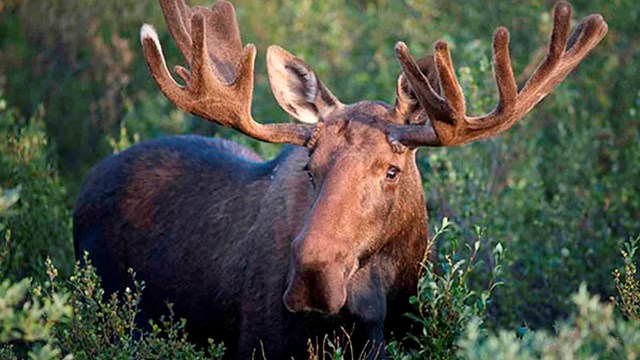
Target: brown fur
{"x": 147, "y": 183}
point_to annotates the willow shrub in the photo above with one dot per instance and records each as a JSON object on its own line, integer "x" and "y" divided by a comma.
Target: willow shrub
{"x": 73, "y": 319}
{"x": 593, "y": 331}
{"x": 446, "y": 301}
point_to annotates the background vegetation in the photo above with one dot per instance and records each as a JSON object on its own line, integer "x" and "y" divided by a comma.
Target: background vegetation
{"x": 558, "y": 195}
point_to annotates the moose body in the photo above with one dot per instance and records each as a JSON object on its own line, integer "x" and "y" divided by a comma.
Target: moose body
{"x": 208, "y": 226}
{"x": 330, "y": 234}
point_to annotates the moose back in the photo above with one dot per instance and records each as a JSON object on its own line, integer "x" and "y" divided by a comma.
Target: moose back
{"x": 330, "y": 234}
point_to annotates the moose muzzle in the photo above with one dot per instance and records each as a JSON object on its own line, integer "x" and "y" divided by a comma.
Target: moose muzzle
{"x": 318, "y": 278}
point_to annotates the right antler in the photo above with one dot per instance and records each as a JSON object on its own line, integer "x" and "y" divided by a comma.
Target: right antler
{"x": 219, "y": 85}
{"x": 450, "y": 125}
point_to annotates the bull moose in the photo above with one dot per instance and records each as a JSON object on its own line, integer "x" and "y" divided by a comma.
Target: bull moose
{"x": 328, "y": 234}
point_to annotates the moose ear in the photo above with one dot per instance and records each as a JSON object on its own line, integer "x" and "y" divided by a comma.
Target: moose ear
{"x": 296, "y": 87}
{"x": 407, "y": 106}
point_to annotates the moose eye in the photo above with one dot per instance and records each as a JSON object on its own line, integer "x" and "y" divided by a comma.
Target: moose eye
{"x": 392, "y": 173}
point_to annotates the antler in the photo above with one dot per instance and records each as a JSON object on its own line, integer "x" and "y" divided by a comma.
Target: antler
{"x": 219, "y": 85}
{"x": 450, "y": 125}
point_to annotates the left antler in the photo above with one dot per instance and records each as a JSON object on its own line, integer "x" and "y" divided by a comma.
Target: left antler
{"x": 450, "y": 126}
{"x": 219, "y": 82}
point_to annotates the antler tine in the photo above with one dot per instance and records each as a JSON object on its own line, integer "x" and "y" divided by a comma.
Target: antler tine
{"x": 158, "y": 67}
{"x": 433, "y": 104}
{"x": 177, "y": 16}
{"x": 449, "y": 83}
{"x": 219, "y": 86}
{"x": 539, "y": 80}
{"x": 448, "y": 120}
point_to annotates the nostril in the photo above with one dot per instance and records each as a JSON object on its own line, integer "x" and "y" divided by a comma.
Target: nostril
{"x": 306, "y": 293}
{"x": 333, "y": 306}
{"x": 291, "y": 304}
{"x": 295, "y": 298}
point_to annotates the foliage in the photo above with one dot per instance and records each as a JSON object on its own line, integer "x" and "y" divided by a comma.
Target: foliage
{"x": 592, "y": 332}
{"x": 124, "y": 140}
{"x": 627, "y": 283}
{"x": 445, "y": 302}
{"x": 85, "y": 67}
{"x": 337, "y": 346}
{"x": 75, "y": 320}
{"x": 30, "y": 319}
{"x": 35, "y": 221}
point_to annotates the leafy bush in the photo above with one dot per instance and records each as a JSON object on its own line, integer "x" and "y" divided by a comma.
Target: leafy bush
{"x": 593, "y": 331}
{"x": 39, "y": 224}
{"x": 24, "y": 317}
{"x": 75, "y": 320}
{"x": 627, "y": 283}
{"x": 85, "y": 68}
{"x": 445, "y": 301}
{"x": 27, "y": 319}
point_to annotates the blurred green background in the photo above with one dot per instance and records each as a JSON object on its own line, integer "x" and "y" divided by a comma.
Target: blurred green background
{"x": 560, "y": 191}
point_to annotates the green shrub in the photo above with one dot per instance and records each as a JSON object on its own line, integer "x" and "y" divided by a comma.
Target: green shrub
{"x": 29, "y": 320}
{"x": 593, "y": 331}
{"x": 50, "y": 319}
{"x": 74, "y": 319}
{"x": 445, "y": 300}
{"x": 123, "y": 141}
{"x": 38, "y": 224}
{"x": 627, "y": 283}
